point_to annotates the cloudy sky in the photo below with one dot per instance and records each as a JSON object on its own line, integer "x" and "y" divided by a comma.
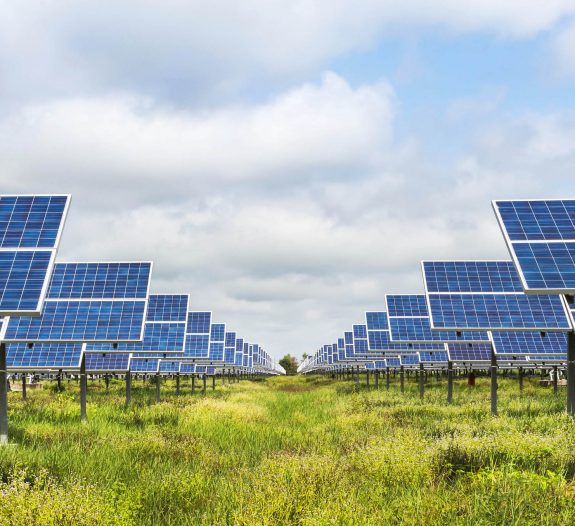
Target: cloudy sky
{"x": 287, "y": 162}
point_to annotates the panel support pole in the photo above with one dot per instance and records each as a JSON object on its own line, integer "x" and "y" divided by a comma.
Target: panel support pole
{"x": 24, "y": 386}
{"x": 214, "y": 382}
{"x": 377, "y": 380}
{"x": 83, "y": 389}
{"x": 128, "y": 387}
{"x": 520, "y": 380}
{"x": 387, "y": 379}
{"x": 571, "y": 374}
{"x": 401, "y": 379}
{"x": 421, "y": 382}
{"x": 555, "y": 380}
{"x": 193, "y": 384}
{"x": 158, "y": 388}
{"x": 367, "y": 378}
{"x": 3, "y": 396}
{"x": 204, "y": 379}
{"x": 177, "y": 384}
{"x": 449, "y": 382}
{"x": 493, "y": 383}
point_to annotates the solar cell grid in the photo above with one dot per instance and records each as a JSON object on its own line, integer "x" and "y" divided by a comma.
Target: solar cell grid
{"x": 169, "y": 366}
{"x": 199, "y": 322}
{"x": 167, "y": 307}
{"x": 197, "y": 346}
{"x": 230, "y": 339}
{"x": 359, "y": 331}
{"x": 348, "y": 337}
{"x": 80, "y": 321}
{"x": 216, "y": 351}
{"x": 529, "y": 343}
{"x": 376, "y": 320}
{"x": 107, "y": 361}
{"x": 145, "y": 365}
{"x": 393, "y": 361}
{"x": 469, "y": 352}
{"x": 43, "y": 356}
{"x": 100, "y": 281}
{"x": 406, "y": 305}
{"x": 471, "y": 276}
{"x": 498, "y": 312}
{"x": 218, "y": 331}
{"x": 31, "y": 221}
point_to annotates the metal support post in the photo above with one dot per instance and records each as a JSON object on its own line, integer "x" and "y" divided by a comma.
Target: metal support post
{"x": 3, "y": 396}
{"x": 214, "y": 382}
{"x": 387, "y": 379}
{"x": 555, "y": 380}
{"x": 24, "y": 387}
{"x": 204, "y": 379}
{"x": 493, "y": 383}
{"x": 83, "y": 389}
{"x": 401, "y": 379}
{"x": 521, "y": 381}
{"x": 449, "y": 382}
{"x": 421, "y": 382}
{"x": 177, "y": 384}
{"x": 128, "y": 387}
{"x": 571, "y": 374}
{"x": 158, "y": 387}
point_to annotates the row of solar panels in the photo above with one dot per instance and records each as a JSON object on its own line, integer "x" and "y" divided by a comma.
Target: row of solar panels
{"x": 57, "y": 314}
{"x": 517, "y": 311}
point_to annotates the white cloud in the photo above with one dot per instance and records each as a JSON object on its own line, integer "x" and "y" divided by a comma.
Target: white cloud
{"x": 563, "y": 49}
{"x": 197, "y": 51}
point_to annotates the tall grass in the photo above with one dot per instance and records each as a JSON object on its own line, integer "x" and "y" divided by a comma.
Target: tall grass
{"x": 290, "y": 451}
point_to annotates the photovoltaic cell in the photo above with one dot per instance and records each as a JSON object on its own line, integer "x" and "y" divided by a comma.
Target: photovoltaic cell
{"x": 393, "y": 361}
{"x": 187, "y": 368}
{"x": 409, "y": 359}
{"x": 216, "y": 352}
{"x": 359, "y": 331}
{"x": 218, "y": 331}
{"x": 197, "y": 346}
{"x": 169, "y": 366}
{"x": 43, "y": 356}
{"x": 540, "y": 235}
{"x": 530, "y": 343}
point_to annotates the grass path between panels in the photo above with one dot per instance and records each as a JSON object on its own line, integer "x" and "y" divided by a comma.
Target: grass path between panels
{"x": 290, "y": 451}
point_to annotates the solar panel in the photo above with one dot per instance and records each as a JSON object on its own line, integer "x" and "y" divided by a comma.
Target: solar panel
{"x": 107, "y": 362}
{"x": 380, "y": 341}
{"x": 380, "y": 364}
{"x": 20, "y": 356}
{"x": 197, "y": 346}
{"x": 376, "y": 321}
{"x": 230, "y": 348}
{"x": 469, "y": 352}
{"x": 409, "y": 322}
{"x": 169, "y": 366}
{"x": 433, "y": 357}
{"x": 187, "y": 368}
{"x": 393, "y": 361}
{"x": 474, "y": 295}
{"x": 529, "y": 343}
{"x": 547, "y": 359}
{"x": 409, "y": 359}
{"x": 30, "y": 230}
{"x": 540, "y": 235}
{"x": 91, "y": 318}
{"x": 145, "y": 365}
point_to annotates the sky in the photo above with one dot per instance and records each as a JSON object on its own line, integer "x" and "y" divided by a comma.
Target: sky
{"x": 287, "y": 163}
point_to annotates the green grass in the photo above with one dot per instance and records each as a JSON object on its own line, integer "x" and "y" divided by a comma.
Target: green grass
{"x": 290, "y": 451}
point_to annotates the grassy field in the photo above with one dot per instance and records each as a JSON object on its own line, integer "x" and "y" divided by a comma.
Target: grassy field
{"x": 297, "y": 451}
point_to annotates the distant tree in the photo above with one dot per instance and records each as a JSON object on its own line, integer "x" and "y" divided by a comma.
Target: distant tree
{"x": 289, "y": 363}
{"x": 304, "y": 356}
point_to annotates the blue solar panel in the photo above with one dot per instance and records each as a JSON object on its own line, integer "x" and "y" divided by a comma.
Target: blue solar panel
{"x": 230, "y": 355}
{"x": 370, "y": 365}
{"x": 168, "y": 307}
{"x": 546, "y": 220}
{"x": 81, "y": 321}
{"x": 187, "y": 368}
{"x": 107, "y": 361}
{"x": 409, "y": 322}
{"x": 158, "y": 338}
{"x": 216, "y": 352}
{"x": 348, "y": 337}
{"x": 393, "y": 362}
{"x": 218, "y": 332}
{"x": 197, "y": 345}
{"x": 433, "y": 357}
{"x": 360, "y": 346}
{"x": 380, "y": 341}
{"x": 376, "y": 320}
{"x": 541, "y": 237}
{"x": 199, "y": 322}
{"x": 471, "y": 276}
{"x": 359, "y": 331}
{"x": 469, "y": 352}
{"x": 145, "y": 365}
{"x": 43, "y": 356}
{"x": 380, "y": 364}
{"x": 31, "y": 221}
{"x": 230, "y": 339}
{"x": 530, "y": 343}
{"x": 409, "y": 359}
{"x": 547, "y": 359}
{"x": 349, "y": 351}
{"x": 498, "y": 312}
{"x": 406, "y": 305}
{"x": 169, "y": 366}
{"x": 100, "y": 281}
